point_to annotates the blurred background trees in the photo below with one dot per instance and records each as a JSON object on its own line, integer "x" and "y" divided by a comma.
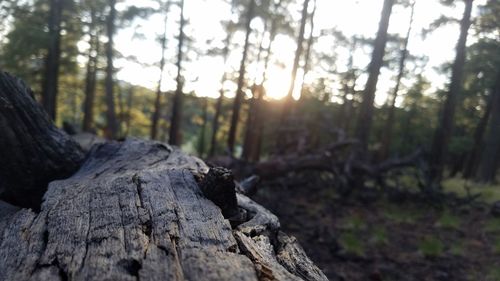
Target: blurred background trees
{"x": 282, "y": 80}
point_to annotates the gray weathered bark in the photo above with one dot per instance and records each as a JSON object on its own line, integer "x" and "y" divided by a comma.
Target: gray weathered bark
{"x": 33, "y": 151}
{"x": 135, "y": 211}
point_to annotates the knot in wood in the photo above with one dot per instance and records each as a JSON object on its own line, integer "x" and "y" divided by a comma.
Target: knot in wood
{"x": 218, "y": 186}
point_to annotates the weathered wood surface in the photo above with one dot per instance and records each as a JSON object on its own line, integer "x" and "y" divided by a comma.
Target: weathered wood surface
{"x": 33, "y": 151}
{"x": 134, "y": 211}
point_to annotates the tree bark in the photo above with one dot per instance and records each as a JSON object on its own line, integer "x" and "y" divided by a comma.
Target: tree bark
{"x": 130, "y": 99}
{"x": 201, "y": 143}
{"x": 489, "y": 157}
{"x": 296, "y": 61}
{"x": 136, "y": 211}
{"x": 241, "y": 81}
{"x": 254, "y": 125}
{"x": 90, "y": 78}
{"x": 475, "y": 153}
{"x": 365, "y": 117}
{"x": 389, "y": 125}
{"x": 215, "y": 124}
{"x": 220, "y": 100}
{"x": 33, "y": 151}
{"x": 112, "y": 125}
{"x": 156, "y": 112}
{"x": 349, "y": 84}
{"x": 175, "y": 122}
{"x": 51, "y": 79}
{"x": 310, "y": 42}
{"x": 445, "y": 128}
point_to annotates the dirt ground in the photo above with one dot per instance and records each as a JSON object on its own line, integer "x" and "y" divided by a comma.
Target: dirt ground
{"x": 380, "y": 239}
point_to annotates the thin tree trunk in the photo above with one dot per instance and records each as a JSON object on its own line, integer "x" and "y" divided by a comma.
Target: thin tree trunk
{"x": 220, "y": 100}
{"x": 254, "y": 155}
{"x": 241, "y": 81}
{"x": 473, "y": 158}
{"x": 130, "y": 99}
{"x": 250, "y": 129}
{"x": 51, "y": 79}
{"x": 121, "y": 110}
{"x": 112, "y": 127}
{"x": 298, "y": 54}
{"x": 90, "y": 80}
{"x": 175, "y": 123}
{"x": 365, "y": 117}
{"x": 254, "y": 125}
{"x": 156, "y": 113}
{"x": 489, "y": 157}
{"x": 201, "y": 143}
{"x": 389, "y": 125}
{"x": 256, "y": 143}
{"x": 445, "y": 129}
{"x": 310, "y": 42}
{"x": 215, "y": 123}
{"x": 350, "y": 77}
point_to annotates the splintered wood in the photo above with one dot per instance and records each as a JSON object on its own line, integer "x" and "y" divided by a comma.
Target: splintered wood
{"x": 134, "y": 211}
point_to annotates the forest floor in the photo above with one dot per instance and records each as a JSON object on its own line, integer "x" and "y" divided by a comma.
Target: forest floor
{"x": 380, "y": 239}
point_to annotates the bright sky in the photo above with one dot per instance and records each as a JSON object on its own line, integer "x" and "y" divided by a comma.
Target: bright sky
{"x": 353, "y": 17}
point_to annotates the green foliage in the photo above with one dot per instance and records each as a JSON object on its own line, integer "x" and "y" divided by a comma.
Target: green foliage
{"x": 353, "y": 222}
{"x": 462, "y": 187}
{"x": 457, "y": 248}
{"x": 431, "y": 246}
{"x": 352, "y": 244}
{"x": 492, "y": 226}
{"x": 398, "y": 215}
{"x": 448, "y": 220}
{"x": 496, "y": 246}
{"x": 380, "y": 236}
{"x": 493, "y": 274}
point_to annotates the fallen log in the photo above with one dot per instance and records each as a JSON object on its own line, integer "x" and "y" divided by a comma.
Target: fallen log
{"x": 33, "y": 151}
{"x": 135, "y": 211}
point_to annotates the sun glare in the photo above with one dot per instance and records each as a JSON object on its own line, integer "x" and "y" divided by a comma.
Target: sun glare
{"x": 340, "y": 14}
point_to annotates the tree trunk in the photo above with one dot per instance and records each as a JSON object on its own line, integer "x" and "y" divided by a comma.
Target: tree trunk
{"x": 253, "y": 114}
{"x": 389, "y": 125}
{"x": 51, "y": 79}
{"x": 349, "y": 84}
{"x": 175, "y": 123}
{"x": 473, "y": 157}
{"x": 130, "y": 99}
{"x": 489, "y": 157}
{"x": 90, "y": 78}
{"x": 33, "y": 151}
{"x": 215, "y": 124}
{"x": 296, "y": 61}
{"x": 220, "y": 100}
{"x": 201, "y": 143}
{"x": 156, "y": 112}
{"x": 241, "y": 81}
{"x": 310, "y": 42}
{"x": 253, "y": 136}
{"x": 445, "y": 128}
{"x": 112, "y": 126}
{"x": 365, "y": 116}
